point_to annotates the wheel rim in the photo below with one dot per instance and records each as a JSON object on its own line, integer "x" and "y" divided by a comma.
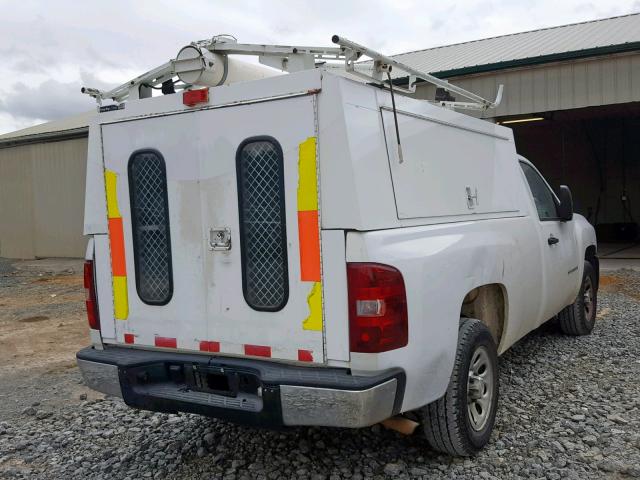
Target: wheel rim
{"x": 587, "y": 297}
{"x": 480, "y": 388}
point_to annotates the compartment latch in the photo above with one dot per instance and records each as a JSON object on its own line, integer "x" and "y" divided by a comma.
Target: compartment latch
{"x": 219, "y": 239}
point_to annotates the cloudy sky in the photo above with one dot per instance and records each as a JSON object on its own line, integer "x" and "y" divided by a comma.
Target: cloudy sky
{"x": 49, "y": 49}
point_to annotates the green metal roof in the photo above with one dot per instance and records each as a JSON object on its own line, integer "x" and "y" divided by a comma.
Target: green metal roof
{"x": 69, "y": 127}
{"x": 566, "y": 42}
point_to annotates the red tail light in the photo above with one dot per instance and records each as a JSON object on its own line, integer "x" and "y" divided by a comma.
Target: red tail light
{"x": 90, "y": 291}
{"x": 193, "y": 97}
{"x": 377, "y": 308}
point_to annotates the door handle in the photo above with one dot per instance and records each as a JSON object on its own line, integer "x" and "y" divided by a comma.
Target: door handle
{"x": 552, "y": 240}
{"x": 219, "y": 239}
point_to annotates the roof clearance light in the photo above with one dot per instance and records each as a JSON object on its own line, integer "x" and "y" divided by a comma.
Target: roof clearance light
{"x": 191, "y": 98}
{"x": 521, "y": 120}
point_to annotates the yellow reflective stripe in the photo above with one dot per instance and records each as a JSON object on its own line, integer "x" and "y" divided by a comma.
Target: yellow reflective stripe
{"x": 110, "y": 181}
{"x": 120, "y": 293}
{"x": 307, "y": 176}
{"x": 120, "y": 298}
{"x": 314, "y": 300}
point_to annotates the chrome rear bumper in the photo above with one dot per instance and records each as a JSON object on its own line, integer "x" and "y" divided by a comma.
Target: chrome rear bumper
{"x": 278, "y": 394}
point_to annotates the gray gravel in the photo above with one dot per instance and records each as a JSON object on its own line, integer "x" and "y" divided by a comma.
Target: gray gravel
{"x": 570, "y": 408}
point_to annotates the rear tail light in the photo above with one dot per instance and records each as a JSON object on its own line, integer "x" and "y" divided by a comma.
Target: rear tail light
{"x": 90, "y": 291}
{"x": 377, "y": 308}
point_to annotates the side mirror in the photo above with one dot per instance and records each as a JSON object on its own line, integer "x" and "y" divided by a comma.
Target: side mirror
{"x": 565, "y": 209}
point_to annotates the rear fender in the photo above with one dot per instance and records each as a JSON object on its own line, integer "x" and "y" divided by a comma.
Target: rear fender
{"x": 440, "y": 265}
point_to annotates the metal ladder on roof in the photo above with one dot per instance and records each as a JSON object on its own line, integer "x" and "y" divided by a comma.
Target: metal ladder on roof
{"x": 214, "y": 53}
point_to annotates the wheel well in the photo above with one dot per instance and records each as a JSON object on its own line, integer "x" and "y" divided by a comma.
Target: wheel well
{"x": 591, "y": 257}
{"x": 487, "y": 304}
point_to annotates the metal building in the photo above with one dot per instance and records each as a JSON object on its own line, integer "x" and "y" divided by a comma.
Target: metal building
{"x": 42, "y": 178}
{"x": 571, "y": 94}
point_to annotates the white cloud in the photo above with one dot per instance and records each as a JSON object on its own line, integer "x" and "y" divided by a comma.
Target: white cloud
{"x": 50, "y": 50}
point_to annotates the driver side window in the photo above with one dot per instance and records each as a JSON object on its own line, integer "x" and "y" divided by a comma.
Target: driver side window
{"x": 542, "y": 195}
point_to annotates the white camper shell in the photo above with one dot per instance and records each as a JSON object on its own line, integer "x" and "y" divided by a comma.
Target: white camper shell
{"x": 267, "y": 254}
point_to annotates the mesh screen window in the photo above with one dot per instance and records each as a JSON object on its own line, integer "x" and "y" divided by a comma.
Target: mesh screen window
{"x": 263, "y": 237}
{"x": 150, "y": 223}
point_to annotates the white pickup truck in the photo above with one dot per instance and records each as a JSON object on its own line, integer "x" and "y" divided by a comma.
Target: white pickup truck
{"x": 267, "y": 252}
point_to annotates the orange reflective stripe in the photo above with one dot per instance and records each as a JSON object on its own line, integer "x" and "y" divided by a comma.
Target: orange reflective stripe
{"x": 309, "y": 238}
{"x": 116, "y": 245}
{"x": 116, "y": 240}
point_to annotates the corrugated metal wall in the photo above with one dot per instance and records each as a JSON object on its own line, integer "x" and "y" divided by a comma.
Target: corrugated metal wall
{"x": 560, "y": 86}
{"x": 42, "y": 199}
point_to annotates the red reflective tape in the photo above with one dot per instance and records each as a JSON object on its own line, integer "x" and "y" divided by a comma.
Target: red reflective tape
{"x": 116, "y": 242}
{"x": 129, "y": 338}
{"x": 166, "y": 342}
{"x": 309, "y": 240}
{"x": 206, "y": 346}
{"x": 305, "y": 356}
{"x": 257, "y": 350}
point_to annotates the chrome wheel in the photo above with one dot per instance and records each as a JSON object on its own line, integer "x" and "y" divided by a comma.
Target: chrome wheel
{"x": 480, "y": 388}
{"x": 587, "y": 298}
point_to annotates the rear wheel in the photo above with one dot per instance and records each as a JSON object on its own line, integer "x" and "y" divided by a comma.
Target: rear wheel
{"x": 579, "y": 318}
{"x": 460, "y": 423}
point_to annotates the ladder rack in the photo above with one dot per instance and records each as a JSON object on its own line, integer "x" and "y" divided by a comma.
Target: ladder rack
{"x": 296, "y": 58}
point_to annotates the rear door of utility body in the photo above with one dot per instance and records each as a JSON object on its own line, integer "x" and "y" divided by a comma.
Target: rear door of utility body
{"x": 214, "y": 230}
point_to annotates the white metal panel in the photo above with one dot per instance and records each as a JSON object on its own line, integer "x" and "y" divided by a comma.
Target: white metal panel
{"x": 443, "y": 165}
{"x": 593, "y": 77}
{"x": 335, "y": 298}
{"x": 16, "y": 203}
{"x": 440, "y": 264}
{"x": 199, "y": 148}
{"x": 184, "y": 316}
{"x": 59, "y": 171}
{"x": 104, "y": 293}
{"x": 230, "y": 318}
{"x": 634, "y": 73}
{"x": 355, "y": 183}
{"x": 609, "y": 93}
{"x": 95, "y": 206}
{"x": 539, "y": 98}
{"x": 41, "y": 192}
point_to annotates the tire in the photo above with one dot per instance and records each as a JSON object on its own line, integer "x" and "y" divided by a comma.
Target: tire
{"x": 580, "y": 317}
{"x": 449, "y": 423}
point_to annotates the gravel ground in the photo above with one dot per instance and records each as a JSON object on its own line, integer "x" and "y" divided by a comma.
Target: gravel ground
{"x": 570, "y": 408}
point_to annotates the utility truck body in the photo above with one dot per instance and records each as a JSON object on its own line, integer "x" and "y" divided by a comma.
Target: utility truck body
{"x": 266, "y": 252}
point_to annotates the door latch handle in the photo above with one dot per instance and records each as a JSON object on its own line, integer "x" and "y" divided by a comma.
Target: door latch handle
{"x": 552, "y": 240}
{"x": 219, "y": 239}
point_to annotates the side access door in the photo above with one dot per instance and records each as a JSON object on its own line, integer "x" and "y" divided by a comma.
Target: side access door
{"x": 558, "y": 245}
{"x": 220, "y": 230}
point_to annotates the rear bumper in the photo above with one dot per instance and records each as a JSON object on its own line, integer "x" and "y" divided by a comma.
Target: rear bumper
{"x": 249, "y": 391}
